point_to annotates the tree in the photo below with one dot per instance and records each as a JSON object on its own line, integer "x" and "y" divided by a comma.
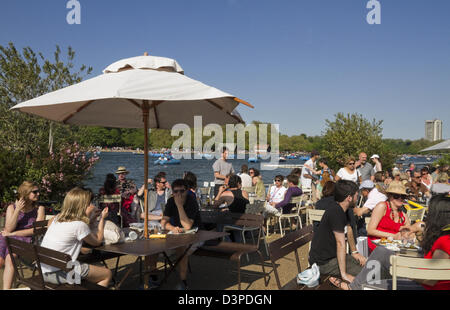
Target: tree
{"x": 26, "y": 76}
{"x": 23, "y": 137}
{"x": 350, "y": 134}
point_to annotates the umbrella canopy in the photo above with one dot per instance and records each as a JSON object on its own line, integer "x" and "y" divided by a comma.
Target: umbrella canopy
{"x": 438, "y": 147}
{"x": 115, "y": 98}
{"x": 139, "y": 92}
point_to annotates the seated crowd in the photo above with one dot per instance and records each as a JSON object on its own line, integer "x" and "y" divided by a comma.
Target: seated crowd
{"x": 357, "y": 191}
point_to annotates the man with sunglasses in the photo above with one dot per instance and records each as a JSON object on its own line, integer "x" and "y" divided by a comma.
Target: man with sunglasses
{"x": 156, "y": 201}
{"x": 415, "y": 189}
{"x": 181, "y": 214}
{"x": 275, "y": 195}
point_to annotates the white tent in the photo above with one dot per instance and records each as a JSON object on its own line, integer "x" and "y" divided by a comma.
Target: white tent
{"x": 438, "y": 147}
{"x": 140, "y": 92}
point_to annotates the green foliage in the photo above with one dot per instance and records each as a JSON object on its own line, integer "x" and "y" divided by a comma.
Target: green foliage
{"x": 24, "y": 138}
{"x": 63, "y": 170}
{"x": 350, "y": 134}
{"x": 444, "y": 160}
{"x": 11, "y": 173}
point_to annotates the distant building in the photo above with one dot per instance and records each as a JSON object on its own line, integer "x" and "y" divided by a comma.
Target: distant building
{"x": 433, "y": 130}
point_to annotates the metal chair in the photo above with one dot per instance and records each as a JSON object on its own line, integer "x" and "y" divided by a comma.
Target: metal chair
{"x": 257, "y": 208}
{"x": 418, "y": 268}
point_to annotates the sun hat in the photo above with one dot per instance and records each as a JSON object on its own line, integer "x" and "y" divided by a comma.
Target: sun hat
{"x": 374, "y": 156}
{"x": 396, "y": 187}
{"x": 121, "y": 170}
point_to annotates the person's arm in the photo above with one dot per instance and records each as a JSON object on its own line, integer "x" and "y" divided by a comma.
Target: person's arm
{"x": 338, "y": 175}
{"x": 152, "y": 217}
{"x": 97, "y": 239}
{"x": 340, "y": 253}
{"x": 245, "y": 194}
{"x": 352, "y": 244}
{"x": 285, "y": 201}
{"x": 141, "y": 190}
{"x": 12, "y": 215}
{"x": 361, "y": 211}
{"x": 186, "y": 222}
{"x": 25, "y": 232}
{"x": 217, "y": 175}
{"x": 165, "y": 224}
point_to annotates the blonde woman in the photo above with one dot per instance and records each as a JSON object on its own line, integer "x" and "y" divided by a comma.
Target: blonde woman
{"x": 66, "y": 233}
{"x": 349, "y": 172}
{"x": 20, "y": 217}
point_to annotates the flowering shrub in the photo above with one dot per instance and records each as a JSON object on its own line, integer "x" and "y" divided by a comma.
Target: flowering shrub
{"x": 65, "y": 170}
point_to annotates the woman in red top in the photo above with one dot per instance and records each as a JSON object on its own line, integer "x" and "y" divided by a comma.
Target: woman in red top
{"x": 387, "y": 217}
{"x": 436, "y": 245}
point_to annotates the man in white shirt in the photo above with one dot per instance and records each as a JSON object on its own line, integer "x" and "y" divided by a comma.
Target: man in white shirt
{"x": 309, "y": 173}
{"x": 275, "y": 195}
{"x": 245, "y": 177}
{"x": 374, "y": 197}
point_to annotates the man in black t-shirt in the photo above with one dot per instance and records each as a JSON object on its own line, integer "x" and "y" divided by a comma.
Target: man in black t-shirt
{"x": 328, "y": 248}
{"x": 181, "y": 214}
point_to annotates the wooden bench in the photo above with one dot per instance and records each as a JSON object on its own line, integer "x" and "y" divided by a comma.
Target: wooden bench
{"x": 37, "y": 255}
{"x": 231, "y": 250}
{"x": 291, "y": 243}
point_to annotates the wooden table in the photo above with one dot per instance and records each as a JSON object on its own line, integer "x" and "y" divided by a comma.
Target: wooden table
{"x": 148, "y": 247}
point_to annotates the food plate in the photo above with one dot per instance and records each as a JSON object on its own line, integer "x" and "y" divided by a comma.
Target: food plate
{"x": 395, "y": 245}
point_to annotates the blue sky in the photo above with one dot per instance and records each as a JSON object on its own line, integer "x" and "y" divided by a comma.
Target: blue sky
{"x": 299, "y": 62}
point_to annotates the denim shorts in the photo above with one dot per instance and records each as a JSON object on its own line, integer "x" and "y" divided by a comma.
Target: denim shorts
{"x": 60, "y": 277}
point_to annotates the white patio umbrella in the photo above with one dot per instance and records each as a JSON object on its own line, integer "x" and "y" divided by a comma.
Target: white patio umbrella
{"x": 438, "y": 147}
{"x": 139, "y": 92}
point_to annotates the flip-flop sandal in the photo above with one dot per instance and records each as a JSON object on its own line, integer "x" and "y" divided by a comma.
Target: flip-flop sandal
{"x": 338, "y": 283}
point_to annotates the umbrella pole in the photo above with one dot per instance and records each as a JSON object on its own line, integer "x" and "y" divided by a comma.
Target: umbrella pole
{"x": 145, "y": 112}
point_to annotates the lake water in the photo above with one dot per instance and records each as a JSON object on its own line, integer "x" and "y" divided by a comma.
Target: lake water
{"x": 109, "y": 162}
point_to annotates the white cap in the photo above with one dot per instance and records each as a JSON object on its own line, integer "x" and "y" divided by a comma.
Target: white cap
{"x": 374, "y": 156}
{"x": 367, "y": 184}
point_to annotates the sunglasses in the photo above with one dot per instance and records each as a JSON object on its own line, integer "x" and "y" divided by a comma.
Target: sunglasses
{"x": 278, "y": 181}
{"x": 162, "y": 182}
{"x": 351, "y": 163}
{"x": 397, "y": 196}
{"x": 35, "y": 192}
{"x": 179, "y": 191}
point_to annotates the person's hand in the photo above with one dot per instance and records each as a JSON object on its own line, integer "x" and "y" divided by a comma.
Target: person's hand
{"x": 361, "y": 259}
{"x": 348, "y": 277}
{"x": 4, "y": 233}
{"x": 150, "y": 181}
{"x": 397, "y": 236}
{"x": 20, "y": 204}
{"x": 105, "y": 213}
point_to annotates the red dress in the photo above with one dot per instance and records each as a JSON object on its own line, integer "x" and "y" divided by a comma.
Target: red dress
{"x": 443, "y": 244}
{"x": 388, "y": 225}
